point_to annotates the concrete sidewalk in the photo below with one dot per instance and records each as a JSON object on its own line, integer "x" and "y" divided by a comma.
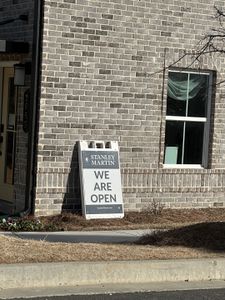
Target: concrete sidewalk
{"x": 115, "y": 236}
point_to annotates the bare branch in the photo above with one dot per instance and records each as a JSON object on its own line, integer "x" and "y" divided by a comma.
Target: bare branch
{"x": 220, "y": 82}
{"x": 219, "y": 12}
{"x": 211, "y": 43}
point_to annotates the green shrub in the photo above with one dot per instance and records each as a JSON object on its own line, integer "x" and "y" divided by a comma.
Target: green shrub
{"x": 25, "y": 224}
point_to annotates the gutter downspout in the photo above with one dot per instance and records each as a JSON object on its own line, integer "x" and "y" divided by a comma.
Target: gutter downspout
{"x": 32, "y": 140}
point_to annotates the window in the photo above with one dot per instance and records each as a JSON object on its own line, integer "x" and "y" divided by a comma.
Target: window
{"x": 187, "y": 119}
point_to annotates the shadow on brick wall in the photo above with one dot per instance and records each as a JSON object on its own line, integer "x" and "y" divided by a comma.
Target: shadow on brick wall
{"x": 212, "y": 123}
{"x": 72, "y": 197}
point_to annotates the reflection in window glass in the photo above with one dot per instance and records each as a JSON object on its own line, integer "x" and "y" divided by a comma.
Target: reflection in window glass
{"x": 9, "y": 166}
{"x": 10, "y": 133}
{"x": 11, "y": 105}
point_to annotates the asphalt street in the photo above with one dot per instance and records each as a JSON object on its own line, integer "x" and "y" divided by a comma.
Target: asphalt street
{"x": 215, "y": 294}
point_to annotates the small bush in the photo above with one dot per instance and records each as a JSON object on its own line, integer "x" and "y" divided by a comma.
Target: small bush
{"x": 155, "y": 207}
{"x": 25, "y": 224}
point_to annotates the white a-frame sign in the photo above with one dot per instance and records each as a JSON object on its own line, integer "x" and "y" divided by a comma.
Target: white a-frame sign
{"x": 100, "y": 180}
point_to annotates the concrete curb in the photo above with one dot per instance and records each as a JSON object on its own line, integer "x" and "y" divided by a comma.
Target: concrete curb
{"x": 44, "y": 275}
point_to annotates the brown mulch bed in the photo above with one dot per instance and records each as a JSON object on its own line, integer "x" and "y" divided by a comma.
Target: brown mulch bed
{"x": 168, "y": 218}
{"x": 208, "y": 236}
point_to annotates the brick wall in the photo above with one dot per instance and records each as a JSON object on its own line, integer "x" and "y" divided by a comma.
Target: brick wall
{"x": 102, "y": 79}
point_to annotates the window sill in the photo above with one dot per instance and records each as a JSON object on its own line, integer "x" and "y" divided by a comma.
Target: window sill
{"x": 174, "y": 166}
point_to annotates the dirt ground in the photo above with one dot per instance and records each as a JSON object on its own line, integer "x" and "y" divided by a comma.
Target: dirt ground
{"x": 202, "y": 235}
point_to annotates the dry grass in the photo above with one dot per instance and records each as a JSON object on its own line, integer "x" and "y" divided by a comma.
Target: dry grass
{"x": 205, "y": 239}
{"x": 14, "y": 250}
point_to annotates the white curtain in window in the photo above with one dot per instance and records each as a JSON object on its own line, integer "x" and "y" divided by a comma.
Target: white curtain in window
{"x": 177, "y": 89}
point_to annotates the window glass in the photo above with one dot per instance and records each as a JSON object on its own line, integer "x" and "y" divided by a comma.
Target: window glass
{"x": 193, "y": 142}
{"x": 198, "y": 93}
{"x": 11, "y": 105}
{"x": 186, "y": 119}
{"x": 174, "y": 141}
{"x": 177, "y": 94}
{"x": 9, "y": 158}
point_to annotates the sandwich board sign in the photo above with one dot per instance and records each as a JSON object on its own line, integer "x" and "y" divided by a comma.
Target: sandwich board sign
{"x": 100, "y": 179}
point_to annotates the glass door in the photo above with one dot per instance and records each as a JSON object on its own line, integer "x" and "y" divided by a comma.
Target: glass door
{"x": 7, "y": 135}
